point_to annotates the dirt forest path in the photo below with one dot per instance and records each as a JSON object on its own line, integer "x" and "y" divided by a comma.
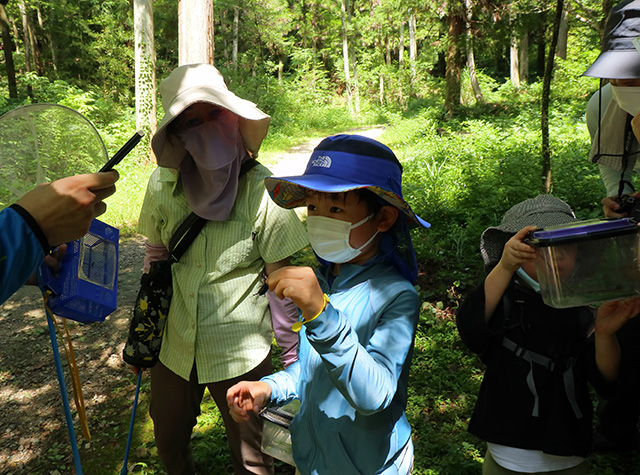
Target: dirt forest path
{"x": 33, "y": 431}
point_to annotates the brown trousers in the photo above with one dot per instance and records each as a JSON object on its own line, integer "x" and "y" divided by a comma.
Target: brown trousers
{"x": 175, "y": 406}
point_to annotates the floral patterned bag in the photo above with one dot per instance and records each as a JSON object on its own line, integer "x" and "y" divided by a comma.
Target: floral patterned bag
{"x": 154, "y": 299}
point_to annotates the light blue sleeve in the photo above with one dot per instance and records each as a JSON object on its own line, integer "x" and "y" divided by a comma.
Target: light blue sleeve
{"x": 367, "y": 374}
{"x": 20, "y": 252}
{"x": 284, "y": 384}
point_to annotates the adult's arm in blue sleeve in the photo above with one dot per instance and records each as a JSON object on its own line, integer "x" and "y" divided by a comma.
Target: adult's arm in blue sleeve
{"x": 22, "y": 249}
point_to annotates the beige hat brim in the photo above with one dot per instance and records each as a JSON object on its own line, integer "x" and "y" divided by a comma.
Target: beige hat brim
{"x": 253, "y": 123}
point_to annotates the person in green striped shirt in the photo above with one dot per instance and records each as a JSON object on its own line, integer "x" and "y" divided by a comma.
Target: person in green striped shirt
{"x": 219, "y": 328}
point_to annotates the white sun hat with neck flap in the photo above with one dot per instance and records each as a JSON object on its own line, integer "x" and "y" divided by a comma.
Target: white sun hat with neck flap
{"x": 192, "y": 83}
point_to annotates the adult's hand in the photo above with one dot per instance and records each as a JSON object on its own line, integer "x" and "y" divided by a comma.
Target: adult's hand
{"x": 611, "y": 208}
{"x": 65, "y": 208}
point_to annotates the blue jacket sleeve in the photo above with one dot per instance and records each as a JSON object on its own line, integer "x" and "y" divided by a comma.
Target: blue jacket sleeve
{"x": 367, "y": 373}
{"x": 284, "y": 384}
{"x": 21, "y": 252}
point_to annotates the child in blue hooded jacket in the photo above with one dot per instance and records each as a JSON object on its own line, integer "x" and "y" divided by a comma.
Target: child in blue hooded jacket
{"x": 359, "y": 312}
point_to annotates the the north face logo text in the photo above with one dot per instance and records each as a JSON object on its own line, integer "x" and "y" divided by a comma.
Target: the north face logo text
{"x": 321, "y": 161}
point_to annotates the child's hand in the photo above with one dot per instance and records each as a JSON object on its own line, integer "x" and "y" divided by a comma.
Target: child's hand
{"x": 52, "y": 261}
{"x": 301, "y": 286}
{"x": 247, "y": 396}
{"x": 516, "y": 252}
{"x": 612, "y": 315}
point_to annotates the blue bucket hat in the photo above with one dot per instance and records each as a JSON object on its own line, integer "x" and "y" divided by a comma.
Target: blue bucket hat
{"x": 343, "y": 163}
{"x": 619, "y": 58}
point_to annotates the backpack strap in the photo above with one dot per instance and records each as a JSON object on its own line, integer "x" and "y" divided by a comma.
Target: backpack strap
{"x": 551, "y": 366}
{"x": 193, "y": 224}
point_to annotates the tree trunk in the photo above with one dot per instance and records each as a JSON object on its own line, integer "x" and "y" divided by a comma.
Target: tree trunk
{"x": 471, "y": 62}
{"x": 401, "y": 46}
{"x": 26, "y": 34}
{"x": 413, "y": 46}
{"x": 356, "y": 85}
{"x": 145, "y": 64}
{"x": 344, "y": 8}
{"x": 387, "y": 50}
{"x": 50, "y": 41}
{"x": 514, "y": 70}
{"x": 563, "y": 35}
{"x": 546, "y": 91}
{"x": 195, "y": 32}
{"x": 236, "y": 23}
{"x": 524, "y": 57}
{"x": 28, "y": 50}
{"x": 7, "y": 48}
{"x": 452, "y": 74}
{"x": 541, "y": 44}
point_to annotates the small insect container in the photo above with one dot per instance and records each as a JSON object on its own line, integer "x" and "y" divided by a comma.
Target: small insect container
{"x": 85, "y": 289}
{"x": 588, "y": 262}
{"x": 276, "y": 438}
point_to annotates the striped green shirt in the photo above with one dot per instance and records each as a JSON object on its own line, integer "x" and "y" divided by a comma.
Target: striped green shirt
{"x": 216, "y": 319}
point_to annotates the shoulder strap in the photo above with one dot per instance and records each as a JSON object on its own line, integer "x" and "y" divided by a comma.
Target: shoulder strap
{"x": 247, "y": 165}
{"x": 193, "y": 224}
{"x": 628, "y": 159}
{"x": 184, "y": 236}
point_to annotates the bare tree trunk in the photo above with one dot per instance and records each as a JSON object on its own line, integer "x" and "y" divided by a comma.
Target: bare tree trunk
{"x": 145, "y": 64}
{"x": 7, "y": 48}
{"x": 413, "y": 45}
{"x": 563, "y": 35}
{"x": 401, "y": 46}
{"x": 50, "y": 41}
{"x": 387, "y": 50}
{"x": 524, "y": 57}
{"x": 195, "y": 31}
{"x": 514, "y": 70}
{"x": 546, "y": 91}
{"x": 344, "y": 8}
{"x": 356, "y": 85}
{"x": 471, "y": 62}
{"x": 453, "y": 68}
{"x": 236, "y": 23}
{"x": 28, "y": 50}
{"x": 26, "y": 34}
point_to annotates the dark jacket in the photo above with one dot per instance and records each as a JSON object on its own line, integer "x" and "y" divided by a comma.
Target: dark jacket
{"x": 548, "y": 352}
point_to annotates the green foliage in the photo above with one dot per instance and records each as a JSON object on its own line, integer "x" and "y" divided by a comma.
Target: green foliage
{"x": 461, "y": 172}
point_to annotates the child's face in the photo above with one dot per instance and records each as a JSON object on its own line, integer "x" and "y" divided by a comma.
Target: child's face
{"x": 346, "y": 207}
{"x": 565, "y": 258}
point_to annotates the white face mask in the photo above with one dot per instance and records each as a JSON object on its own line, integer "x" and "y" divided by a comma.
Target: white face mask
{"x": 329, "y": 238}
{"x": 628, "y": 98}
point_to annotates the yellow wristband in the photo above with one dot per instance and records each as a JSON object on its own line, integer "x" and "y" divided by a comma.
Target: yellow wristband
{"x": 298, "y": 325}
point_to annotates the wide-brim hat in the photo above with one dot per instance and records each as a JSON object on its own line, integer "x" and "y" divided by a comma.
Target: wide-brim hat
{"x": 343, "y": 163}
{"x": 542, "y": 211}
{"x": 192, "y": 83}
{"x": 619, "y": 58}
